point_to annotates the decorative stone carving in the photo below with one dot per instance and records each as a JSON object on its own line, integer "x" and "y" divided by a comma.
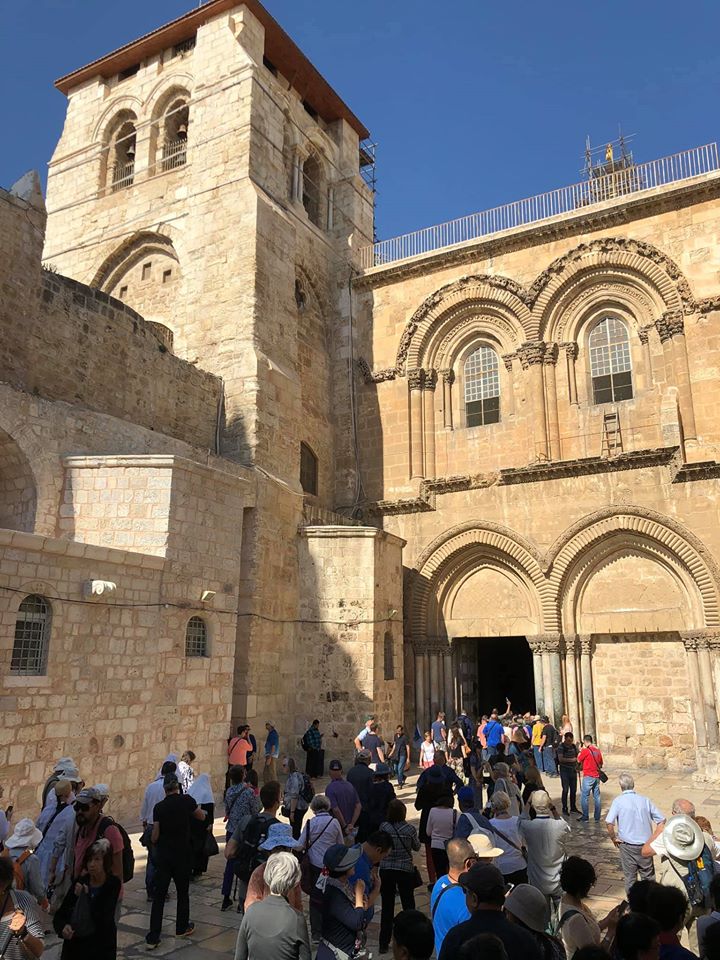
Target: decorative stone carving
{"x": 670, "y": 324}
{"x": 531, "y": 353}
{"x": 416, "y": 378}
{"x": 430, "y": 379}
{"x": 551, "y": 353}
{"x": 587, "y": 645}
{"x": 699, "y": 640}
{"x": 507, "y": 359}
{"x": 378, "y": 376}
{"x": 571, "y": 349}
{"x": 548, "y": 642}
{"x": 448, "y": 376}
{"x": 643, "y": 334}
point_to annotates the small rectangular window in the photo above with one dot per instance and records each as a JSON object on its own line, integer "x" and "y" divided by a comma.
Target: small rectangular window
{"x": 128, "y": 72}
{"x": 146, "y": 271}
{"x": 185, "y": 47}
{"x": 167, "y": 276}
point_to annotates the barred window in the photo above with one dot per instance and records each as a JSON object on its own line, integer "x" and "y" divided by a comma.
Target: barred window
{"x": 482, "y": 388}
{"x": 196, "y": 638}
{"x": 389, "y": 656}
{"x": 610, "y": 365}
{"x": 32, "y": 635}
{"x": 308, "y": 470}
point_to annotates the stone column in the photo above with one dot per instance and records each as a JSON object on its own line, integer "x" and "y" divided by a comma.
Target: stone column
{"x": 702, "y": 691}
{"x": 553, "y": 422}
{"x": 536, "y": 648}
{"x": 586, "y": 683}
{"x": 420, "y": 674}
{"x": 571, "y": 354}
{"x": 448, "y": 378}
{"x": 531, "y": 358}
{"x": 708, "y": 692}
{"x": 415, "y": 383}
{"x": 435, "y": 693}
{"x": 507, "y": 359}
{"x": 671, "y": 328}
{"x": 552, "y": 675}
{"x": 429, "y": 413}
{"x": 450, "y": 706}
{"x": 643, "y": 334}
{"x": 573, "y": 707}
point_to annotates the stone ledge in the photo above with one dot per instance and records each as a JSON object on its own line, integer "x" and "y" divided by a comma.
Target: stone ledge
{"x": 341, "y": 532}
{"x": 155, "y": 461}
{"x": 14, "y": 539}
{"x": 705, "y": 470}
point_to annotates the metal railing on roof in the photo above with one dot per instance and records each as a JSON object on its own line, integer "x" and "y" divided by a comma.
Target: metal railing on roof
{"x": 620, "y": 182}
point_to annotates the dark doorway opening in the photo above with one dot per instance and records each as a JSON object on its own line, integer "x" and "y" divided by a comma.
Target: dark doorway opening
{"x": 505, "y": 669}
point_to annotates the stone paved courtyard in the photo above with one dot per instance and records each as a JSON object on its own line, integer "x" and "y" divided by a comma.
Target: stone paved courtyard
{"x": 215, "y": 932}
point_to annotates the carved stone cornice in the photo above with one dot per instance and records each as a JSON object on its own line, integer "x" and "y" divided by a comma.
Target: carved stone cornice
{"x": 430, "y": 379}
{"x": 670, "y": 324}
{"x": 434, "y": 645}
{"x": 705, "y": 470}
{"x": 546, "y": 642}
{"x": 448, "y": 376}
{"x": 507, "y": 359}
{"x": 551, "y": 353}
{"x": 531, "y": 353}
{"x": 571, "y": 349}
{"x": 377, "y": 376}
{"x": 700, "y": 639}
{"x": 416, "y": 378}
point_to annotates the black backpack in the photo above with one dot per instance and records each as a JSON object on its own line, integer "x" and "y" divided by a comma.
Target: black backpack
{"x": 128, "y": 857}
{"x": 248, "y": 856}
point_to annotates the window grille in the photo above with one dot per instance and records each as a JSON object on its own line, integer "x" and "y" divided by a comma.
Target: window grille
{"x": 389, "y": 657}
{"x": 610, "y": 364}
{"x": 196, "y": 638}
{"x": 308, "y": 470}
{"x": 32, "y": 633}
{"x": 482, "y": 388}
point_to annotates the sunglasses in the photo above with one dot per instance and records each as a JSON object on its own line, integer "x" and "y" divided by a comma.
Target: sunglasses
{"x": 81, "y": 807}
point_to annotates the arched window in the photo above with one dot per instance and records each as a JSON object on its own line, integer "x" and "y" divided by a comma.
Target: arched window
{"x": 389, "y": 656}
{"x": 32, "y": 636}
{"x": 308, "y": 470}
{"x": 175, "y": 135}
{"x": 312, "y": 188}
{"x": 196, "y": 638}
{"x": 482, "y": 388}
{"x": 610, "y": 365}
{"x": 122, "y": 155}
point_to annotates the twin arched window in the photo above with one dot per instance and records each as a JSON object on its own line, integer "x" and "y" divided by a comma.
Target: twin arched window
{"x": 481, "y": 378}
{"x": 196, "y": 638}
{"x": 610, "y": 363}
{"x": 32, "y": 637}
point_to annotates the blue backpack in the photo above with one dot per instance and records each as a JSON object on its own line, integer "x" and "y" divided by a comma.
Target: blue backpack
{"x": 699, "y": 877}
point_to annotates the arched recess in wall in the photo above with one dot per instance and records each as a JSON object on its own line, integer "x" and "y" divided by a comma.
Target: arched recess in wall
{"x": 18, "y": 490}
{"x": 119, "y": 151}
{"x": 170, "y": 129}
{"x": 589, "y": 571}
{"x": 477, "y": 577}
{"x": 144, "y": 272}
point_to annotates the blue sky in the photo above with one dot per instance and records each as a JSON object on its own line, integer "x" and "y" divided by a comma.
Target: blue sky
{"x": 472, "y": 104}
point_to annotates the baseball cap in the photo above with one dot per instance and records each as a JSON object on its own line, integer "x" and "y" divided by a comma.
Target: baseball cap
{"x": 88, "y": 795}
{"x": 466, "y": 795}
{"x": 335, "y": 765}
{"x": 485, "y": 881}
{"x": 364, "y": 755}
{"x": 340, "y": 857}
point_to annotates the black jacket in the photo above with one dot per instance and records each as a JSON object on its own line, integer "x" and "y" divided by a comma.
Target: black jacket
{"x": 102, "y": 945}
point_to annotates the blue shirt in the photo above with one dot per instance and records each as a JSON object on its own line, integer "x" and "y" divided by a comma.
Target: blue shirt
{"x": 493, "y": 733}
{"x": 438, "y": 728}
{"x": 635, "y": 816}
{"x": 451, "y": 909}
{"x": 465, "y": 827}
{"x": 272, "y": 744}
{"x": 362, "y": 871}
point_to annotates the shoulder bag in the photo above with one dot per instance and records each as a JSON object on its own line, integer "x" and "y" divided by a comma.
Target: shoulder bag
{"x": 417, "y": 879}
{"x": 307, "y": 879}
{"x": 81, "y": 918}
{"x": 602, "y": 776}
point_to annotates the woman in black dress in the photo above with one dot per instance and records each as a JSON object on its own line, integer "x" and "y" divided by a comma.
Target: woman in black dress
{"x": 98, "y": 941}
{"x": 201, "y": 792}
{"x": 346, "y": 906}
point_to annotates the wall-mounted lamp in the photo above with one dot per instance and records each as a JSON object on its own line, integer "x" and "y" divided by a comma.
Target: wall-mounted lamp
{"x": 97, "y": 588}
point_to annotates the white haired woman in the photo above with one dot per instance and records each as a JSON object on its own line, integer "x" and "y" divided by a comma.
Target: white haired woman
{"x": 319, "y": 834}
{"x": 512, "y": 864}
{"x": 271, "y": 929}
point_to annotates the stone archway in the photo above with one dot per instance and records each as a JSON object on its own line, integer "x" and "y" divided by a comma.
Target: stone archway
{"x": 18, "y": 494}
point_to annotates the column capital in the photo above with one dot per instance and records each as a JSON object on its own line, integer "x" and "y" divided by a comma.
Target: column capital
{"x": 434, "y": 645}
{"x": 644, "y": 333}
{"x": 571, "y": 645}
{"x": 448, "y": 375}
{"x": 551, "y": 353}
{"x": 416, "y": 378}
{"x": 571, "y": 349}
{"x": 531, "y": 353}
{"x": 700, "y": 639}
{"x": 586, "y": 643}
{"x": 545, "y": 642}
{"x": 507, "y": 359}
{"x": 430, "y": 379}
{"x": 670, "y": 324}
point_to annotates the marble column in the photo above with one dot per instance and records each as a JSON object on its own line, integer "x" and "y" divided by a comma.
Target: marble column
{"x": 420, "y": 674}
{"x": 508, "y": 397}
{"x": 450, "y": 706}
{"x": 415, "y": 383}
{"x": 708, "y": 693}
{"x": 536, "y": 648}
{"x": 643, "y": 334}
{"x": 553, "y": 421}
{"x": 694, "y": 643}
{"x": 571, "y": 355}
{"x": 586, "y": 683}
{"x": 429, "y": 420}
{"x": 448, "y": 378}
{"x": 552, "y": 676}
{"x": 573, "y": 708}
{"x": 435, "y": 692}
{"x": 671, "y": 329}
{"x": 531, "y": 358}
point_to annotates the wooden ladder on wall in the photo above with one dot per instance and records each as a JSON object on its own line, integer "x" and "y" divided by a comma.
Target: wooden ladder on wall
{"x": 612, "y": 443}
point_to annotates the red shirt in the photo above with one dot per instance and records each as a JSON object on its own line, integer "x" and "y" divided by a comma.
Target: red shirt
{"x": 238, "y": 750}
{"x": 591, "y": 760}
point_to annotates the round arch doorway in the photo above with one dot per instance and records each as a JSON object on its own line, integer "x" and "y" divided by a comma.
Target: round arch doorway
{"x": 491, "y": 670}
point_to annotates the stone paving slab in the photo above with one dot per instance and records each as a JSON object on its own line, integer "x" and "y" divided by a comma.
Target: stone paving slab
{"x": 215, "y": 932}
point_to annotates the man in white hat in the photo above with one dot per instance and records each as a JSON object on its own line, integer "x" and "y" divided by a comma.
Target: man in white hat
{"x": 20, "y": 845}
{"x": 683, "y": 849}
{"x": 546, "y": 838}
{"x": 59, "y": 773}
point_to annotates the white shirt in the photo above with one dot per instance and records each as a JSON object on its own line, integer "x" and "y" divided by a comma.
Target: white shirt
{"x": 546, "y": 841}
{"x": 154, "y": 793}
{"x": 512, "y": 859}
{"x": 320, "y": 833}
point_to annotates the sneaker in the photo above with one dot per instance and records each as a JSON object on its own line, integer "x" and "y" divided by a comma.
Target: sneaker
{"x": 227, "y": 903}
{"x": 189, "y": 932}
{"x": 565, "y": 811}
{"x": 584, "y": 819}
{"x": 152, "y": 944}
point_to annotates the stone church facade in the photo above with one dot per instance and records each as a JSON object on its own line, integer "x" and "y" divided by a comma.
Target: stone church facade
{"x": 247, "y": 476}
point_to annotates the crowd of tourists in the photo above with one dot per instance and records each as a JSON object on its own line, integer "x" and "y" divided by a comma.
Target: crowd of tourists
{"x": 495, "y": 848}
